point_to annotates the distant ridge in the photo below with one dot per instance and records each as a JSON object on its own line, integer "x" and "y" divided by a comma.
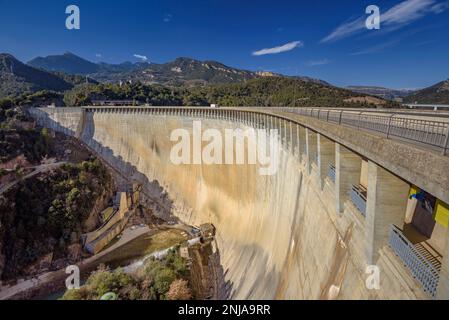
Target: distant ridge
{"x": 385, "y": 93}
{"x": 67, "y": 63}
{"x": 438, "y": 94}
{"x": 17, "y": 77}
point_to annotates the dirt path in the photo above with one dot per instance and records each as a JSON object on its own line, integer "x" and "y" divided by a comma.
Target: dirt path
{"x": 37, "y": 170}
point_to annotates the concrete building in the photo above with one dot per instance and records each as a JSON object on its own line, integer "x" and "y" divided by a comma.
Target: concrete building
{"x": 124, "y": 205}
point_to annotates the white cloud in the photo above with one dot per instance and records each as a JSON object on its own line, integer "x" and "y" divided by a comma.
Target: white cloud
{"x": 99, "y": 55}
{"x": 346, "y": 29}
{"x": 396, "y": 17}
{"x": 284, "y": 48}
{"x": 440, "y": 7}
{"x": 141, "y": 57}
{"x": 315, "y": 63}
{"x": 168, "y": 18}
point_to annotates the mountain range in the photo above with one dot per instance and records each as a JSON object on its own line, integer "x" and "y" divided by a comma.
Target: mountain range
{"x": 182, "y": 71}
{"x": 63, "y": 72}
{"x": 385, "y": 93}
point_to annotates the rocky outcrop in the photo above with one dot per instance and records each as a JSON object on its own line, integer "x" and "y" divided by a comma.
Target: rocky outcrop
{"x": 94, "y": 219}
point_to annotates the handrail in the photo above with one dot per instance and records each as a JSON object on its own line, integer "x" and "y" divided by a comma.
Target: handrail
{"x": 430, "y": 132}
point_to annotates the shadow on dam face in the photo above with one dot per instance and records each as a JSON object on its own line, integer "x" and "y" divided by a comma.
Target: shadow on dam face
{"x": 277, "y": 235}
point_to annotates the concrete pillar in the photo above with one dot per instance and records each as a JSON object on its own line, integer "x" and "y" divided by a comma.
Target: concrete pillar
{"x": 284, "y": 131}
{"x": 348, "y": 166}
{"x": 312, "y": 144}
{"x": 291, "y": 136}
{"x": 386, "y": 204}
{"x": 298, "y": 142}
{"x": 443, "y": 282}
{"x": 302, "y": 143}
{"x": 326, "y": 157}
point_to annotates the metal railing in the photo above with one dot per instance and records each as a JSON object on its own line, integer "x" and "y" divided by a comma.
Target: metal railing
{"x": 423, "y": 271}
{"x": 331, "y": 173}
{"x": 430, "y": 132}
{"x": 358, "y": 199}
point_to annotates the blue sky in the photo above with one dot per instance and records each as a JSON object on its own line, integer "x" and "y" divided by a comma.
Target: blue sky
{"x": 322, "y": 39}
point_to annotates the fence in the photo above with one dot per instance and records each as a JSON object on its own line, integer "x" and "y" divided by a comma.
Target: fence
{"x": 429, "y": 132}
{"x": 358, "y": 199}
{"x": 331, "y": 172}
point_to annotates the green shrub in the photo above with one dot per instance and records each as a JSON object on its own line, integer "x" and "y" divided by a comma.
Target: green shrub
{"x": 46, "y": 213}
{"x": 104, "y": 281}
{"x": 153, "y": 282}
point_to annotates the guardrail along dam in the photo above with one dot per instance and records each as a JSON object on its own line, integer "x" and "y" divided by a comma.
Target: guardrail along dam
{"x": 357, "y": 209}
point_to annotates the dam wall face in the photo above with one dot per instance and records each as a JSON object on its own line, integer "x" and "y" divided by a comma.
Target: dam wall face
{"x": 279, "y": 236}
{"x": 64, "y": 120}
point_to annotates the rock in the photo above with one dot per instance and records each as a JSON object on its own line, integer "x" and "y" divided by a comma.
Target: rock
{"x": 45, "y": 262}
{"x": 74, "y": 252}
{"x": 59, "y": 264}
{"x": 41, "y": 265}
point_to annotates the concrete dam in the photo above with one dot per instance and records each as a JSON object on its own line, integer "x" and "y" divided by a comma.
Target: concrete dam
{"x": 349, "y": 214}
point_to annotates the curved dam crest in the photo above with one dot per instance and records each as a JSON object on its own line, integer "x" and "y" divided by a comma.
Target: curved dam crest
{"x": 279, "y": 236}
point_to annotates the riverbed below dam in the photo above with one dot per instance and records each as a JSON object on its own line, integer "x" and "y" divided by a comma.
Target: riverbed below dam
{"x": 279, "y": 236}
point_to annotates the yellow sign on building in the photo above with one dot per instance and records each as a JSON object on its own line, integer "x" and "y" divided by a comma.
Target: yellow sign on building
{"x": 442, "y": 213}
